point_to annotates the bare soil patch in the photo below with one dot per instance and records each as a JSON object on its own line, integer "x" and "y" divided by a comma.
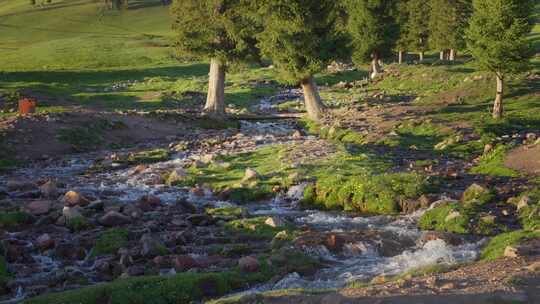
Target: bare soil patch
{"x": 525, "y": 159}
{"x": 40, "y": 136}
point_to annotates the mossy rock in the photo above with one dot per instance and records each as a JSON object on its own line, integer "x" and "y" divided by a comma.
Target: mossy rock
{"x": 148, "y": 157}
{"x": 476, "y": 195}
{"x": 291, "y": 260}
{"x": 226, "y": 211}
{"x": 496, "y": 246}
{"x": 253, "y": 227}
{"x": 244, "y": 195}
{"x": 110, "y": 241}
{"x": 367, "y": 193}
{"x": 488, "y": 225}
{"x": 449, "y": 217}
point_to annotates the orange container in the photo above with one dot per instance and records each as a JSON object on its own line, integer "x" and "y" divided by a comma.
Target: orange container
{"x": 27, "y": 106}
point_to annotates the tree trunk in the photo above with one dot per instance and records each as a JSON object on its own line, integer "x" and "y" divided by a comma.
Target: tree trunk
{"x": 421, "y": 56}
{"x": 375, "y": 66}
{"x": 441, "y": 55}
{"x": 498, "y": 105}
{"x": 312, "y": 99}
{"x": 400, "y": 57}
{"x": 215, "y": 101}
{"x": 452, "y": 55}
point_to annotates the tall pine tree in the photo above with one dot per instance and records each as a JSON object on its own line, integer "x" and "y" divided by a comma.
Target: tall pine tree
{"x": 301, "y": 37}
{"x": 374, "y": 30}
{"x": 402, "y": 17}
{"x": 448, "y": 20}
{"x": 417, "y": 26}
{"x": 497, "y": 38}
{"x": 221, "y": 31}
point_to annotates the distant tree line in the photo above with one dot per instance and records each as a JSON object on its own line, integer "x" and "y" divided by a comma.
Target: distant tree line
{"x": 301, "y": 37}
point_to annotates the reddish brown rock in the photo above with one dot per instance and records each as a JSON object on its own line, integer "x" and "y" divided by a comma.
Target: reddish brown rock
{"x": 248, "y": 264}
{"x": 45, "y": 242}
{"x": 40, "y": 207}
{"x": 148, "y": 202}
{"x": 184, "y": 263}
{"x": 113, "y": 218}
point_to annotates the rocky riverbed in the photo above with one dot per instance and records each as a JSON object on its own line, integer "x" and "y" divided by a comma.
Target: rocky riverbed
{"x": 93, "y": 218}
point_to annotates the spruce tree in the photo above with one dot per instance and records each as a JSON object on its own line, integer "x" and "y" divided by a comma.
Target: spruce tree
{"x": 301, "y": 37}
{"x": 374, "y": 30}
{"x": 402, "y": 18}
{"x": 497, "y": 38}
{"x": 221, "y": 31}
{"x": 417, "y": 26}
{"x": 448, "y": 20}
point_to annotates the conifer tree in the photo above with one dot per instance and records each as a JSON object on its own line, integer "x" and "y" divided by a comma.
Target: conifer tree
{"x": 301, "y": 37}
{"x": 417, "y": 26}
{"x": 221, "y": 31}
{"x": 497, "y": 38}
{"x": 448, "y": 20}
{"x": 374, "y": 30}
{"x": 402, "y": 18}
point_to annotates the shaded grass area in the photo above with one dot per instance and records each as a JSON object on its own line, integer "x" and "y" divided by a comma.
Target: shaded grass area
{"x": 180, "y": 288}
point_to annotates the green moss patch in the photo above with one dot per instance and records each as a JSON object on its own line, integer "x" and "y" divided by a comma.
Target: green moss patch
{"x": 226, "y": 174}
{"x": 493, "y": 163}
{"x": 450, "y": 217}
{"x": 335, "y": 132}
{"x": 254, "y": 227}
{"x": 110, "y": 241}
{"x": 368, "y": 193}
{"x": 495, "y": 248}
{"x": 226, "y": 211}
{"x": 148, "y": 157}
{"x": 476, "y": 195}
{"x": 12, "y": 219}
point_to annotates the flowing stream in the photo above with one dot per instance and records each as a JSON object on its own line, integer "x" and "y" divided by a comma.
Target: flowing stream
{"x": 373, "y": 245}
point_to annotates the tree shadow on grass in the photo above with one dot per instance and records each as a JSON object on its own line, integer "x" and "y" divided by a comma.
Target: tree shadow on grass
{"x": 346, "y": 76}
{"x": 101, "y": 77}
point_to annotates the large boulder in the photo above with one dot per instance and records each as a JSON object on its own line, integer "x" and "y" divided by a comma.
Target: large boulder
{"x": 248, "y": 264}
{"x": 40, "y": 207}
{"x": 73, "y": 198}
{"x": 19, "y": 185}
{"x": 45, "y": 241}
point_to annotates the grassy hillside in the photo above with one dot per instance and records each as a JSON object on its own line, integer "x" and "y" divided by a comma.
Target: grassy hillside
{"x": 70, "y": 34}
